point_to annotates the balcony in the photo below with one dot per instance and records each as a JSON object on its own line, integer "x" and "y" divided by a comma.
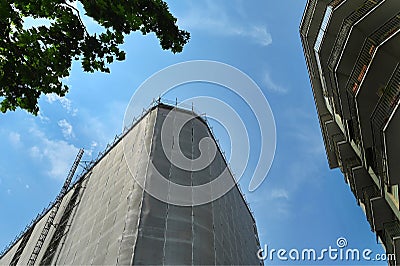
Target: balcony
{"x": 349, "y": 178}
{"x": 363, "y": 63}
{"x": 369, "y": 193}
{"x": 345, "y": 30}
{"x": 381, "y": 213}
{"x": 343, "y": 61}
{"x": 368, "y": 51}
{"x": 379, "y": 120}
{"x": 348, "y": 27}
{"x": 347, "y": 157}
{"x": 361, "y": 179}
{"x": 330, "y": 27}
{"x": 309, "y": 29}
{"x": 334, "y": 14}
{"x": 381, "y": 68}
{"x": 377, "y": 209}
{"x": 313, "y": 13}
{"x": 391, "y": 239}
{"x": 392, "y": 147}
{"x": 333, "y": 136}
{"x": 307, "y": 17}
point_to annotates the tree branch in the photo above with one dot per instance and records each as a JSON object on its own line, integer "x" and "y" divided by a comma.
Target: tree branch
{"x": 78, "y": 14}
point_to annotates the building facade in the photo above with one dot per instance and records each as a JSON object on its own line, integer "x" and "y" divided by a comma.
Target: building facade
{"x": 107, "y": 217}
{"x": 352, "y": 50}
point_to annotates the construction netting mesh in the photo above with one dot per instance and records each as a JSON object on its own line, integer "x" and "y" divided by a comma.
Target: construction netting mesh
{"x": 218, "y": 232}
{"x": 107, "y": 218}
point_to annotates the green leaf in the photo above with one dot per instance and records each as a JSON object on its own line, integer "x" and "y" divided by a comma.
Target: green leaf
{"x": 121, "y": 56}
{"x": 34, "y": 61}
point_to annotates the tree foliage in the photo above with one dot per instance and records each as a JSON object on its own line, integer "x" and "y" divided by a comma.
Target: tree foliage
{"x": 34, "y": 60}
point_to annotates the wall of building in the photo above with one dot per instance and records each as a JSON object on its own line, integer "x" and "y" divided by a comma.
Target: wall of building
{"x": 351, "y": 49}
{"x": 21, "y": 251}
{"x": 219, "y": 232}
{"x": 115, "y": 222}
{"x": 105, "y": 227}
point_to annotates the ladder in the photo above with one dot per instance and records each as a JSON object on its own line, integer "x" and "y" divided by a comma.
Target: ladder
{"x": 62, "y": 226}
{"x": 54, "y": 209}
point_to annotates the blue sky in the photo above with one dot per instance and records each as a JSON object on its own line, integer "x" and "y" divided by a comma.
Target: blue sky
{"x": 301, "y": 204}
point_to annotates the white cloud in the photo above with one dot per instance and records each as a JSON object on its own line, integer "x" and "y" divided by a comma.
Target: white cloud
{"x": 42, "y": 117}
{"x": 278, "y": 202}
{"x": 35, "y": 152}
{"x": 93, "y": 145}
{"x": 260, "y": 34}
{"x": 27, "y": 186}
{"x": 94, "y": 126}
{"x": 280, "y": 194}
{"x": 64, "y": 101}
{"x": 209, "y": 16}
{"x": 66, "y": 129}
{"x": 15, "y": 138}
{"x": 58, "y": 154}
{"x": 272, "y": 86}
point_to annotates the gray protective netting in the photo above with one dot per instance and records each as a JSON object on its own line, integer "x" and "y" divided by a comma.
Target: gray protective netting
{"x": 116, "y": 222}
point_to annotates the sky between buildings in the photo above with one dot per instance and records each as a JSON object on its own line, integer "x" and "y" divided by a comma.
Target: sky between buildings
{"x": 301, "y": 204}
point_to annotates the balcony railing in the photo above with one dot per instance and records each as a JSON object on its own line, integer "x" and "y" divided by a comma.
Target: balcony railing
{"x": 368, "y": 51}
{"x": 340, "y": 41}
{"x": 360, "y": 68}
{"x": 309, "y": 12}
{"x": 384, "y": 108}
{"x": 307, "y": 17}
{"x": 369, "y": 193}
{"x": 353, "y": 123}
{"x": 337, "y": 103}
{"x": 352, "y": 183}
{"x": 389, "y": 29}
{"x": 322, "y": 30}
{"x": 335, "y": 3}
{"x": 391, "y": 230}
{"x": 345, "y": 31}
{"x": 351, "y": 162}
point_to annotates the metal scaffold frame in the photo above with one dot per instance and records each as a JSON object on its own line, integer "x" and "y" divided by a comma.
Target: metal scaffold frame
{"x": 89, "y": 165}
{"x": 53, "y": 212}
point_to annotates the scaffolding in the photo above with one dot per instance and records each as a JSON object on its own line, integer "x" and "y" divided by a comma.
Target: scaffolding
{"x": 53, "y": 213}
{"x": 61, "y": 229}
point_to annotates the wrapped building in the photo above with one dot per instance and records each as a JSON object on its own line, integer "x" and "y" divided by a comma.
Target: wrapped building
{"x": 108, "y": 217}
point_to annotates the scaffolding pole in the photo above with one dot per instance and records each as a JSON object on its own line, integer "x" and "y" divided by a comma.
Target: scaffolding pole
{"x": 54, "y": 209}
